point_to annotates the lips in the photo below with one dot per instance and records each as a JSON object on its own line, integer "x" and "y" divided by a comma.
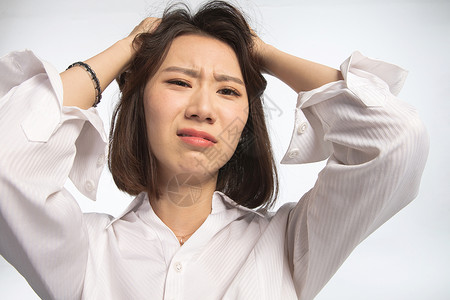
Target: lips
{"x": 196, "y": 137}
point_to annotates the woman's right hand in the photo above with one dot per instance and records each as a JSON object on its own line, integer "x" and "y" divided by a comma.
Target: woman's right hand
{"x": 77, "y": 83}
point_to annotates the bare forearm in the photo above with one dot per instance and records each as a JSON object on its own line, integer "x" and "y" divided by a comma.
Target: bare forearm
{"x": 78, "y": 86}
{"x": 298, "y": 73}
{"x": 77, "y": 83}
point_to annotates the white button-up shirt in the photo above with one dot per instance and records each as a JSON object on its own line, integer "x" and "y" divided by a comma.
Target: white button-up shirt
{"x": 376, "y": 148}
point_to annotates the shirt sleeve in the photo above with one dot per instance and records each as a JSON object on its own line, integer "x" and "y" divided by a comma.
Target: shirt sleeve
{"x": 42, "y": 143}
{"x": 376, "y": 147}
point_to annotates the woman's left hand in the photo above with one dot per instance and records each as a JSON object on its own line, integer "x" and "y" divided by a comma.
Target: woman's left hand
{"x": 261, "y": 50}
{"x": 148, "y": 25}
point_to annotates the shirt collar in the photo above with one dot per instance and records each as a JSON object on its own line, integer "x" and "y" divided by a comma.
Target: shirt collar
{"x": 220, "y": 203}
{"x": 134, "y": 205}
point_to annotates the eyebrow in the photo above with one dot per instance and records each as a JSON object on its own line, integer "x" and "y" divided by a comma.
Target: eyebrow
{"x": 196, "y": 74}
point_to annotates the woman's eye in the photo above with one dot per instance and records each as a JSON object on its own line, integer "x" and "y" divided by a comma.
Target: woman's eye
{"x": 179, "y": 83}
{"x": 229, "y": 92}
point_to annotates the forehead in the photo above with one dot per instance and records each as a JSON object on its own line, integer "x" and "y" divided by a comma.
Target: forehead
{"x": 202, "y": 53}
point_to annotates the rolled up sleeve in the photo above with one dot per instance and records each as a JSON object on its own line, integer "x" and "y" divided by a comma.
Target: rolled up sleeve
{"x": 42, "y": 144}
{"x": 376, "y": 147}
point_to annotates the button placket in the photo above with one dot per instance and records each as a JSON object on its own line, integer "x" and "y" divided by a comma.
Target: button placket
{"x": 174, "y": 281}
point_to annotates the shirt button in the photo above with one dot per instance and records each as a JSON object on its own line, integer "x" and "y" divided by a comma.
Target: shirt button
{"x": 302, "y": 128}
{"x": 178, "y": 267}
{"x": 101, "y": 160}
{"x": 89, "y": 185}
{"x": 294, "y": 153}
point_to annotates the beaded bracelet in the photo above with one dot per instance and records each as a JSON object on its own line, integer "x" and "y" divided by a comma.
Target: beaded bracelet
{"x": 94, "y": 78}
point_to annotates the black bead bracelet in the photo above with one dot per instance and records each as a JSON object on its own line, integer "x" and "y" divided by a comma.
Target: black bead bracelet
{"x": 94, "y": 78}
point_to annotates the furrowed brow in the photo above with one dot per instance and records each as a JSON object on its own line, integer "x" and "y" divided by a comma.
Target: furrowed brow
{"x": 223, "y": 77}
{"x": 189, "y": 72}
{"x": 196, "y": 74}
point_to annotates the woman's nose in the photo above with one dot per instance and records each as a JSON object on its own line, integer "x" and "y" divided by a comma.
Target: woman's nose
{"x": 200, "y": 106}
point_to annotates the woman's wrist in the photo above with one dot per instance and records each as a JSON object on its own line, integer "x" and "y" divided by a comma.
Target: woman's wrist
{"x": 298, "y": 73}
{"x": 265, "y": 55}
{"x": 127, "y": 51}
{"x": 107, "y": 65}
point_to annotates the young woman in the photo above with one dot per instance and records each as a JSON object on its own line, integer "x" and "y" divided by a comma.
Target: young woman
{"x": 189, "y": 139}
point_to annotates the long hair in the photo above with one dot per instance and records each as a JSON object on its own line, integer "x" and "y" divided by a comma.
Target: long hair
{"x": 250, "y": 176}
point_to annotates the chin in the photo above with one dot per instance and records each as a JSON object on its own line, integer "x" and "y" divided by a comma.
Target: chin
{"x": 192, "y": 162}
{"x": 198, "y": 165}
{"x": 199, "y": 168}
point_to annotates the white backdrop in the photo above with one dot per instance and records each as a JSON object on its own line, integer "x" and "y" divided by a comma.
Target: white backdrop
{"x": 407, "y": 258}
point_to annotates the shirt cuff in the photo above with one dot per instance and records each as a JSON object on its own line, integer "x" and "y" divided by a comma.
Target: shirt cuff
{"x": 46, "y": 114}
{"x": 370, "y": 81}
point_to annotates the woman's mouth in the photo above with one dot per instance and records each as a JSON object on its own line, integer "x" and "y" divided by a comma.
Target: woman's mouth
{"x": 196, "y": 137}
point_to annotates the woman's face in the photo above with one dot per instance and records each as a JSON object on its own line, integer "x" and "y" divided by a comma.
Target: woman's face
{"x": 196, "y": 107}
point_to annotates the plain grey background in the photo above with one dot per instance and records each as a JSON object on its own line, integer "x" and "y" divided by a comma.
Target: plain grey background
{"x": 408, "y": 257}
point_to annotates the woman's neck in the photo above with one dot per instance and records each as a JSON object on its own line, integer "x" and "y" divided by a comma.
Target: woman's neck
{"x": 184, "y": 203}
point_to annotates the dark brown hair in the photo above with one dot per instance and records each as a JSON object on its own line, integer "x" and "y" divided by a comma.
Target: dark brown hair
{"x": 250, "y": 176}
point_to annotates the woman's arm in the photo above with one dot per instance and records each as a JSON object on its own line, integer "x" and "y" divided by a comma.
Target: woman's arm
{"x": 376, "y": 146}
{"x": 300, "y": 74}
{"x": 77, "y": 84}
{"x": 43, "y": 233}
